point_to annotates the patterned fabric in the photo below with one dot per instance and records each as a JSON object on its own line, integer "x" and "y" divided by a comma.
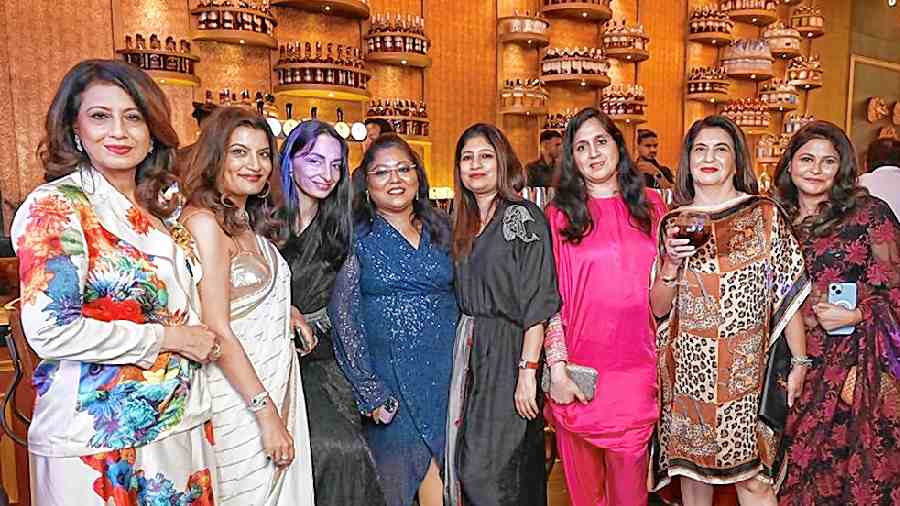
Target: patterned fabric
{"x": 151, "y": 475}
{"x": 743, "y": 286}
{"x": 844, "y": 453}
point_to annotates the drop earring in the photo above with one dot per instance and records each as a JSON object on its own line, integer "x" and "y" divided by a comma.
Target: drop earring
{"x": 78, "y": 145}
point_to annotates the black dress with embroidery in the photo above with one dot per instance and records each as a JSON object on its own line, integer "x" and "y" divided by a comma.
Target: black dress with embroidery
{"x": 343, "y": 467}
{"x": 507, "y": 284}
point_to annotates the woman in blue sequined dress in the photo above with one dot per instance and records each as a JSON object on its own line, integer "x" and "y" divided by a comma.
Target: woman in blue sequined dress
{"x": 394, "y": 313}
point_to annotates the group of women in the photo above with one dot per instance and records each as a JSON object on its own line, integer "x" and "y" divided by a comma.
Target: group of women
{"x": 170, "y": 299}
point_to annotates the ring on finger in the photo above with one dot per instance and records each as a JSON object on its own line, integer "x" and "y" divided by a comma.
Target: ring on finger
{"x": 216, "y": 352}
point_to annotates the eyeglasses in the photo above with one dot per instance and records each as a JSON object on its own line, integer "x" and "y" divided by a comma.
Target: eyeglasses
{"x": 381, "y": 174}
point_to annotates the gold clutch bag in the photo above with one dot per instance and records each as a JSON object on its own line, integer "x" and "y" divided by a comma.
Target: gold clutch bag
{"x": 583, "y": 376}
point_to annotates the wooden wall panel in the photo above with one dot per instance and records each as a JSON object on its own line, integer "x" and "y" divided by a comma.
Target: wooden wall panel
{"x": 9, "y": 162}
{"x": 77, "y": 30}
{"x": 663, "y": 74}
{"x": 829, "y": 102}
{"x": 462, "y": 79}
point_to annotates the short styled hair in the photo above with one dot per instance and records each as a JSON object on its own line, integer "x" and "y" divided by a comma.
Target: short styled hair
{"x": 549, "y": 135}
{"x": 883, "y": 152}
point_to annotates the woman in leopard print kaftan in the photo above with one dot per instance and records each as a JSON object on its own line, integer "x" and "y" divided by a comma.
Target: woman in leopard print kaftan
{"x": 724, "y": 309}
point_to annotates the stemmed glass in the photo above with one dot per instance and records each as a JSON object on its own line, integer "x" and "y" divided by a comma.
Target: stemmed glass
{"x": 694, "y": 226}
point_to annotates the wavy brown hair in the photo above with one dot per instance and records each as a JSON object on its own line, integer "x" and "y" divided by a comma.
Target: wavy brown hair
{"x": 204, "y": 168}
{"x": 572, "y": 196}
{"x": 510, "y": 180}
{"x": 57, "y": 151}
{"x": 744, "y": 177}
{"x": 845, "y": 193}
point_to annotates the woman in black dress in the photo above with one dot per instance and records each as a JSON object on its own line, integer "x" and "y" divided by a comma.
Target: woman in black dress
{"x": 317, "y": 185}
{"x": 506, "y": 288}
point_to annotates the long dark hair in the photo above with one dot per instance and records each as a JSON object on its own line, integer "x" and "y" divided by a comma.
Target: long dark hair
{"x": 57, "y": 151}
{"x": 744, "y": 177}
{"x": 432, "y": 219}
{"x": 510, "y": 180}
{"x": 334, "y": 210}
{"x": 845, "y": 193}
{"x": 202, "y": 171}
{"x": 571, "y": 195}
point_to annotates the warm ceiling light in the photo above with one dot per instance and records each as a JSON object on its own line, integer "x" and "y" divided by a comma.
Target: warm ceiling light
{"x": 327, "y": 8}
{"x": 242, "y": 41}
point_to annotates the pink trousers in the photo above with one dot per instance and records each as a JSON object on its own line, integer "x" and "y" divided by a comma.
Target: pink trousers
{"x": 602, "y": 477}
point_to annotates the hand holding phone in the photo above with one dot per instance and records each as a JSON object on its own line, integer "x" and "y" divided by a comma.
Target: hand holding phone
{"x": 385, "y": 413}
{"x": 843, "y": 295}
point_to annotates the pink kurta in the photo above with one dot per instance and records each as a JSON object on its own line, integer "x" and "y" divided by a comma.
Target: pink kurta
{"x": 605, "y": 286}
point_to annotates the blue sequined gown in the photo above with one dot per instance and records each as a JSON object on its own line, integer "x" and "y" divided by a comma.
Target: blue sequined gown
{"x": 394, "y": 313}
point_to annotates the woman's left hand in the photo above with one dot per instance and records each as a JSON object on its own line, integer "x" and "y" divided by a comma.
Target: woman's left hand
{"x": 526, "y": 394}
{"x": 306, "y": 332}
{"x": 795, "y": 383}
{"x": 832, "y": 317}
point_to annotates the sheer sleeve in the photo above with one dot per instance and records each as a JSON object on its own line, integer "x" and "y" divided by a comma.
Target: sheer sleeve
{"x": 788, "y": 283}
{"x": 880, "y": 294}
{"x": 49, "y": 233}
{"x": 537, "y": 289}
{"x": 350, "y": 346}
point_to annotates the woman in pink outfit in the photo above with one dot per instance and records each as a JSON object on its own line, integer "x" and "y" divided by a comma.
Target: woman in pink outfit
{"x": 604, "y": 224}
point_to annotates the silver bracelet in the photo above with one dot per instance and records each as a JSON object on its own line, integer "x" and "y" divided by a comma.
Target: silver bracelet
{"x": 258, "y": 402}
{"x": 804, "y": 361}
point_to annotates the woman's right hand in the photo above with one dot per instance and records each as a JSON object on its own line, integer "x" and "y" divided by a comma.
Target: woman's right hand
{"x": 278, "y": 445}
{"x": 677, "y": 249}
{"x": 195, "y": 342}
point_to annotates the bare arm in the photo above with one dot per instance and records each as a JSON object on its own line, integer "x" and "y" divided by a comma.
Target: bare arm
{"x": 215, "y": 290}
{"x": 795, "y": 334}
{"x": 526, "y": 387}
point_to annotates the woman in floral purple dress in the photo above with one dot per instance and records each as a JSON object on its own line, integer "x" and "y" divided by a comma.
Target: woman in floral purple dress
{"x": 844, "y": 432}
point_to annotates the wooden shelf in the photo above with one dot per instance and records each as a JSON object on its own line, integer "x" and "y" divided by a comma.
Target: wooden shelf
{"x": 332, "y": 91}
{"x": 526, "y": 39}
{"x": 578, "y": 10}
{"x": 712, "y": 38}
{"x": 417, "y": 140}
{"x": 810, "y": 32}
{"x": 173, "y": 78}
{"x": 578, "y": 80}
{"x": 401, "y": 59}
{"x": 323, "y": 66}
{"x": 628, "y": 54}
{"x": 781, "y": 106}
{"x": 346, "y": 8}
{"x": 754, "y": 131}
{"x": 399, "y": 118}
{"x": 791, "y": 2}
{"x": 629, "y": 119}
{"x": 758, "y": 17}
{"x": 523, "y": 111}
{"x": 160, "y": 52}
{"x": 240, "y": 37}
{"x": 805, "y": 84}
{"x": 752, "y": 76}
{"x": 709, "y": 97}
{"x": 768, "y": 160}
{"x": 786, "y": 53}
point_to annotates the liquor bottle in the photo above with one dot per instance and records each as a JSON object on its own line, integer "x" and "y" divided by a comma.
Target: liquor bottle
{"x": 129, "y": 43}
{"x": 212, "y": 21}
{"x": 154, "y": 42}
{"x": 170, "y": 44}
{"x": 308, "y": 55}
{"x": 290, "y": 123}
{"x": 330, "y": 54}
{"x": 318, "y": 51}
